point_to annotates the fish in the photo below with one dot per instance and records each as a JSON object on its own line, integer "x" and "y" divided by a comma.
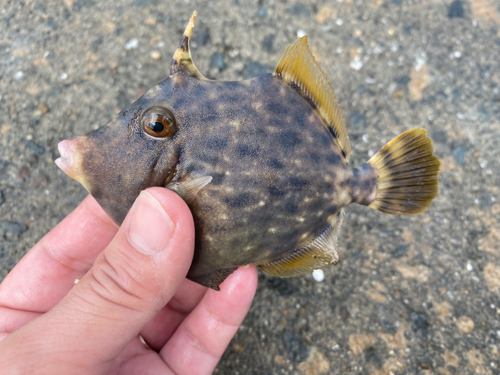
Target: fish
{"x": 263, "y": 164}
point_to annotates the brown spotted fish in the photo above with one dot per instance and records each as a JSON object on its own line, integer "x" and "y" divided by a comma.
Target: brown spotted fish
{"x": 263, "y": 164}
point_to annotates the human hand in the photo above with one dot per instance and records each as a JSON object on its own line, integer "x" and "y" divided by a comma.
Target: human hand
{"x": 132, "y": 283}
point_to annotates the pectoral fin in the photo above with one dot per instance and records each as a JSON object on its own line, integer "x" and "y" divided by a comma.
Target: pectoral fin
{"x": 319, "y": 253}
{"x": 188, "y": 189}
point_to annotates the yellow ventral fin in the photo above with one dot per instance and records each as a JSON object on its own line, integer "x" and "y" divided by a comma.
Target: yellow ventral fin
{"x": 182, "y": 61}
{"x": 188, "y": 190}
{"x": 319, "y": 253}
{"x": 298, "y": 68}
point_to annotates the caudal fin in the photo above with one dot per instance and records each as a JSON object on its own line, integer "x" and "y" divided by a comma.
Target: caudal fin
{"x": 408, "y": 174}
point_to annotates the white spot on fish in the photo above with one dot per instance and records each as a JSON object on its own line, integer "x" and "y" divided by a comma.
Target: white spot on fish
{"x": 272, "y": 230}
{"x": 301, "y": 219}
{"x": 257, "y": 105}
{"x": 262, "y": 203}
{"x": 235, "y": 123}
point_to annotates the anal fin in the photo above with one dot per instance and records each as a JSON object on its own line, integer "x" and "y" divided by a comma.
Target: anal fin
{"x": 319, "y": 253}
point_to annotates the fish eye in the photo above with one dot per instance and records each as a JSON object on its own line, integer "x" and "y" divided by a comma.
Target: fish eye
{"x": 159, "y": 122}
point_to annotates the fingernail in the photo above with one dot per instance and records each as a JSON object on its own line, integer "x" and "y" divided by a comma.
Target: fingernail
{"x": 151, "y": 228}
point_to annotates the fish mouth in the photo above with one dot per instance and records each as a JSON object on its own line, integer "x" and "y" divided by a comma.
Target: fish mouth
{"x": 70, "y": 161}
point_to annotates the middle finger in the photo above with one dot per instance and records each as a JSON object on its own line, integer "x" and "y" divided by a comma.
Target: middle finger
{"x": 159, "y": 330}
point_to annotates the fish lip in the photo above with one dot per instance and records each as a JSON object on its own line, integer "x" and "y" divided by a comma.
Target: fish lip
{"x": 70, "y": 161}
{"x": 67, "y": 151}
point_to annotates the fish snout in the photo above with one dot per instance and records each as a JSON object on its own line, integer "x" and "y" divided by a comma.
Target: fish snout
{"x": 70, "y": 161}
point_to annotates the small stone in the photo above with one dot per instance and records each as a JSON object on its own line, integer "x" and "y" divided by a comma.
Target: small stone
{"x": 238, "y": 348}
{"x": 267, "y": 43}
{"x": 132, "y": 44}
{"x": 492, "y": 276}
{"x": 254, "y": 69}
{"x": 324, "y": 13}
{"x": 358, "y": 343}
{"x": 456, "y": 9}
{"x": 14, "y": 228}
{"x": 398, "y": 94}
{"x": 43, "y": 108}
{"x": 420, "y": 322}
{"x": 64, "y": 76}
{"x": 465, "y": 324}
{"x": 151, "y": 21}
{"x": 402, "y": 80}
{"x": 217, "y": 61}
{"x": 415, "y": 271}
{"x": 40, "y": 181}
{"x": 81, "y": 4}
{"x": 318, "y": 275}
{"x": 420, "y": 79}
{"x": 262, "y": 11}
{"x": 300, "y": 33}
{"x": 23, "y": 172}
{"x": 202, "y": 38}
{"x": 38, "y": 150}
{"x": 145, "y": 3}
{"x": 155, "y": 55}
{"x": 356, "y": 63}
{"x": 299, "y": 9}
{"x": 400, "y": 251}
{"x": 358, "y": 119}
{"x": 4, "y": 129}
{"x": 18, "y": 75}
{"x": 278, "y": 359}
{"x": 315, "y": 364}
{"x": 459, "y": 154}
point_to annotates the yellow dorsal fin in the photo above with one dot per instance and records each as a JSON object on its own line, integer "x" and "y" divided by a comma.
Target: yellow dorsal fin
{"x": 182, "y": 61}
{"x": 298, "y": 67}
{"x": 319, "y": 253}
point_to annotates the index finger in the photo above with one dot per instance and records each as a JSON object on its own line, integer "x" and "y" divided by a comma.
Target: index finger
{"x": 48, "y": 271}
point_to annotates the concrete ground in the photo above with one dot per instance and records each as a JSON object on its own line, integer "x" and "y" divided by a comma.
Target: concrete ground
{"x": 416, "y": 295}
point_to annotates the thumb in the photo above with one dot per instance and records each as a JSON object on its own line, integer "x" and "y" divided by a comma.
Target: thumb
{"x": 135, "y": 276}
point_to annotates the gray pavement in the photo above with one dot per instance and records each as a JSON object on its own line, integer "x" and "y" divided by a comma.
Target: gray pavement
{"x": 412, "y": 295}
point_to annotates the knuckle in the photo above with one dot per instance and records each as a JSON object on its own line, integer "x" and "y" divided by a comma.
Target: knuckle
{"x": 119, "y": 283}
{"x": 199, "y": 345}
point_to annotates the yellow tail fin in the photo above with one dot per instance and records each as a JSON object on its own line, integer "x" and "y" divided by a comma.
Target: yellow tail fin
{"x": 408, "y": 174}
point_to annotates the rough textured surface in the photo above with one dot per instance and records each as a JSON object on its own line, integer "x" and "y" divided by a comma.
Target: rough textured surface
{"x": 411, "y": 295}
